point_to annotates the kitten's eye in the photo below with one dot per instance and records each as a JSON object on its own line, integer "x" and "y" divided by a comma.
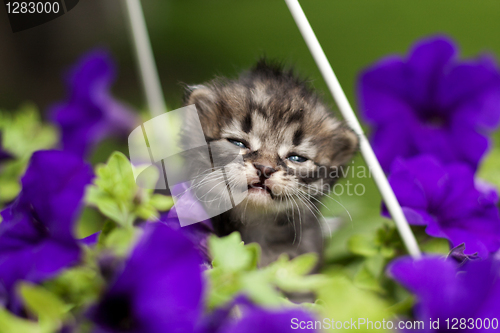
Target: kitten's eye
{"x": 297, "y": 158}
{"x": 238, "y": 143}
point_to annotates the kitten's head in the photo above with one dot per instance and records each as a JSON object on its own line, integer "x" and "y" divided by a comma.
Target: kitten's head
{"x": 291, "y": 144}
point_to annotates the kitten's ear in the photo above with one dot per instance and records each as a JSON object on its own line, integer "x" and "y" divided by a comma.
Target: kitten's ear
{"x": 203, "y": 97}
{"x": 347, "y": 143}
{"x": 205, "y": 100}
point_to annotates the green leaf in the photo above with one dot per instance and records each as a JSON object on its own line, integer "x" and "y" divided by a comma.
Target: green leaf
{"x": 120, "y": 212}
{"x": 78, "y": 286}
{"x": 120, "y": 240}
{"x": 230, "y": 254}
{"x": 117, "y": 196}
{"x": 370, "y": 273}
{"x": 376, "y": 265}
{"x": 365, "y": 279}
{"x": 235, "y": 271}
{"x": 146, "y": 211}
{"x": 10, "y": 323}
{"x": 363, "y": 245}
{"x": 254, "y": 252}
{"x": 234, "y": 268}
{"x": 436, "y": 245}
{"x": 385, "y": 242}
{"x": 109, "y": 226}
{"x": 291, "y": 275}
{"x": 23, "y": 132}
{"x": 403, "y": 306}
{"x": 302, "y": 264}
{"x": 491, "y": 164}
{"x": 257, "y": 285}
{"x": 114, "y": 189}
{"x": 222, "y": 287}
{"x": 161, "y": 202}
{"x": 388, "y": 252}
{"x": 90, "y": 222}
{"x": 343, "y": 301}
{"x": 42, "y": 303}
{"x": 9, "y": 188}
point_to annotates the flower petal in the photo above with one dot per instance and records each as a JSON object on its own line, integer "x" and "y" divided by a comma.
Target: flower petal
{"x": 437, "y": 293}
{"x": 90, "y": 114}
{"x": 159, "y": 289}
{"x": 54, "y": 185}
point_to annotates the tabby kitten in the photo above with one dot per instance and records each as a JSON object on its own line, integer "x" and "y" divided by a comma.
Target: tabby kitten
{"x": 291, "y": 147}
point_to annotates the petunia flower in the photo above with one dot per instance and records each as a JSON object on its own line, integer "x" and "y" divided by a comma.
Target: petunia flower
{"x": 36, "y": 234}
{"x": 447, "y": 201}
{"x": 432, "y": 103}
{"x": 201, "y": 228}
{"x": 444, "y": 291}
{"x": 91, "y": 114}
{"x": 197, "y": 233}
{"x": 160, "y": 289}
{"x": 256, "y": 319}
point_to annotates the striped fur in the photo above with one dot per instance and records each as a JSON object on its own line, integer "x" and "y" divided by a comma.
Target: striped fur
{"x": 275, "y": 115}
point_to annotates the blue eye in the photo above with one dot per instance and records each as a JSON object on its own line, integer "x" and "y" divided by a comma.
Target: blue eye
{"x": 297, "y": 158}
{"x": 238, "y": 143}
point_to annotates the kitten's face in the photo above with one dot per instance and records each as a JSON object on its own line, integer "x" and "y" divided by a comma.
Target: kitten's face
{"x": 284, "y": 160}
{"x": 291, "y": 146}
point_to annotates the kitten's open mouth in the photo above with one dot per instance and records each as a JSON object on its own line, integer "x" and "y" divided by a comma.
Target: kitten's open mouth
{"x": 260, "y": 187}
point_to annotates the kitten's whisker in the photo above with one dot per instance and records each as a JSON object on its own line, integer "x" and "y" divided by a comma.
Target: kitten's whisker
{"x": 317, "y": 200}
{"x": 217, "y": 184}
{"x": 310, "y": 204}
{"x": 293, "y": 221}
{"x": 300, "y": 221}
{"x": 197, "y": 184}
{"x": 198, "y": 199}
{"x": 327, "y": 195}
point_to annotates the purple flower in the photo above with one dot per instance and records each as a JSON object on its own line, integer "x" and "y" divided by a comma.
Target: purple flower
{"x": 431, "y": 103}
{"x": 448, "y": 202}
{"x": 443, "y": 292}
{"x": 159, "y": 289}
{"x": 256, "y": 319}
{"x": 36, "y": 234}
{"x": 90, "y": 240}
{"x": 201, "y": 227}
{"x": 197, "y": 233}
{"x": 90, "y": 114}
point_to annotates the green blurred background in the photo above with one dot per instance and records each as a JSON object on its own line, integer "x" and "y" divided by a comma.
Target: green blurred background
{"x": 194, "y": 40}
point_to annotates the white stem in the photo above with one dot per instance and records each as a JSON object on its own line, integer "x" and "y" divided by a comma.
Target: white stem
{"x": 145, "y": 59}
{"x": 345, "y": 108}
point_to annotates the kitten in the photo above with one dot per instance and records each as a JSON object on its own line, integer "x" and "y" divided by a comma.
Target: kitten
{"x": 291, "y": 147}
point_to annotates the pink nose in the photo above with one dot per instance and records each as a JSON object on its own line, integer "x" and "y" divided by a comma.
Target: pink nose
{"x": 264, "y": 171}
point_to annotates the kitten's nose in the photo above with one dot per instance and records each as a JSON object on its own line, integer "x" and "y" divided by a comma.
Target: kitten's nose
{"x": 264, "y": 171}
